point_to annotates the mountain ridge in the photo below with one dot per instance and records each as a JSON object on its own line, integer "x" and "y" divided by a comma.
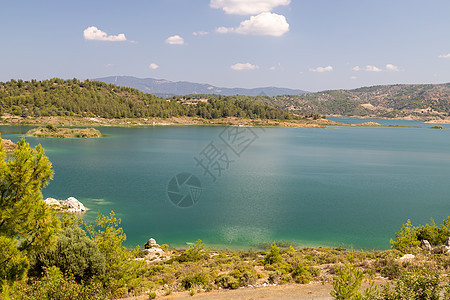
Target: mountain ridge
{"x": 167, "y": 88}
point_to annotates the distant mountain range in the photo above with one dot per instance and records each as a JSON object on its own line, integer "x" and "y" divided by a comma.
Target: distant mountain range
{"x": 166, "y": 88}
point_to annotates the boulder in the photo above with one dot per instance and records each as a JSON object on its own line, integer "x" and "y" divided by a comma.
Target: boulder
{"x": 425, "y": 245}
{"x": 73, "y": 205}
{"x": 151, "y": 243}
{"x": 407, "y": 256}
{"x": 53, "y": 202}
{"x": 69, "y": 205}
{"x": 447, "y": 242}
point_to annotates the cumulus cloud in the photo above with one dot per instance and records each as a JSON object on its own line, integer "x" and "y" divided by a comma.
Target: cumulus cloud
{"x": 368, "y": 68}
{"x": 263, "y": 24}
{"x": 391, "y": 67}
{"x": 247, "y": 7}
{"x": 175, "y": 40}
{"x": 201, "y": 32}
{"x": 444, "y": 55}
{"x": 94, "y": 34}
{"x": 242, "y": 67}
{"x": 371, "y": 68}
{"x": 153, "y": 66}
{"x": 322, "y": 69}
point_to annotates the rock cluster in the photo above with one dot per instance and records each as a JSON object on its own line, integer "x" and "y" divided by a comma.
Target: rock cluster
{"x": 425, "y": 245}
{"x": 151, "y": 243}
{"x": 71, "y": 204}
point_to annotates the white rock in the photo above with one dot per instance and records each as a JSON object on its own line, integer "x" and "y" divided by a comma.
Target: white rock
{"x": 69, "y": 205}
{"x": 407, "y": 256}
{"x": 52, "y": 202}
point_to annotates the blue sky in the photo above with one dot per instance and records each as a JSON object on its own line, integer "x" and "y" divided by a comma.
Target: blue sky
{"x": 306, "y": 44}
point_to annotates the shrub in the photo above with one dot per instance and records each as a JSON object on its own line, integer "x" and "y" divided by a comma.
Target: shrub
{"x": 195, "y": 252}
{"x": 227, "y": 282}
{"x": 301, "y": 274}
{"x": 420, "y": 284}
{"x": 273, "y": 256}
{"x": 74, "y": 254}
{"x": 274, "y": 276}
{"x": 199, "y": 279}
{"x": 54, "y": 285}
{"x": 346, "y": 283}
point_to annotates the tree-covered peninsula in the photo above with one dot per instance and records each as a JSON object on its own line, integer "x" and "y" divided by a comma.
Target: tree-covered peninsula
{"x": 58, "y": 97}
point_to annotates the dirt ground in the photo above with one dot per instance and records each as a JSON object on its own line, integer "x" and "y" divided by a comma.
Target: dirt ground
{"x": 313, "y": 291}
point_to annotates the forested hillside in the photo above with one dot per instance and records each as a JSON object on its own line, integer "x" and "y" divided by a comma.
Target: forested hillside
{"x": 58, "y": 97}
{"x": 387, "y": 101}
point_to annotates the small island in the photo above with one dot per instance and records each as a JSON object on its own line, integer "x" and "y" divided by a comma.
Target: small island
{"x": 51, "y": 131}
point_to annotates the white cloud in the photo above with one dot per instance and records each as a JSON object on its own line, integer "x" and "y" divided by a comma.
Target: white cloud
{"x": 353, "y": 77}
{"x": 391, "y": 67}
{"x": 242, "y": 67}
{"x": 322, "y": 69}
{"x": 263, "y": 24}
{"x": 247, "y": 7}
{"x": 175, "y": 40}
{"x": 369, "y": 68}
{"x": 224, "y": 30}
{"x": 273, "y": 68}
{"x": 153, "y": 66}
{"x": 201, "y": 32}
{"x": 444, "y": 55}
{"x": 94, "y": 34}
{"x": 109, "y": 65}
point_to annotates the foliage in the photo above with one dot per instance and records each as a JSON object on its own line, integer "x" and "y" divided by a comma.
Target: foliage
{"x": 122, "y": 270}
{"x": 74, "y": 254}
{"x": 26, "y": 222}
{"x": 15, "y": 263}
{"x": 302, "y": 274}
{"x": 58, "y": 97}
{"x": 54, "y": 285}
{"x": 273, "y": 256}
{"x": 420, "y": 284}
{"x": 195, "y": 252}
{"x": 194, "y": 280}
{"x": 347, "y": 282}
{"x": 409, "y": 237}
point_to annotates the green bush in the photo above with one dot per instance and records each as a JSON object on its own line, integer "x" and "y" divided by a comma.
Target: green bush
{"x": 199, "y": 279}
{"x": 346, "y": 283}
{"x": 421, "y": 284}
{"x": 195, "y": 252}
{"x": 273, "y": 256}
{"x": 274, "y": 276}
{"x": 74, "y": 254}
{"x": 227, "y": 282}
{"x": 54, "y": 285}
{"x": 301, "y": 274}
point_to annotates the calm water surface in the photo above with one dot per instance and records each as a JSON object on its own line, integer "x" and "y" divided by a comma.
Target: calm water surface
{"x": 315, "y": 187}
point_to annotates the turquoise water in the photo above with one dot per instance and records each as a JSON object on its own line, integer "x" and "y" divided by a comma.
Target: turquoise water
{"x": 315, "y": 187}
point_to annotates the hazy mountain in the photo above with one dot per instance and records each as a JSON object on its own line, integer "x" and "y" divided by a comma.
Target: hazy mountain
{"x": 165, "y": 88}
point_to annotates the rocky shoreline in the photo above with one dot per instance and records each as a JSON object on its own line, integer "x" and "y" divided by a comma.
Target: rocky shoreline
{"x": 71, "y": 205}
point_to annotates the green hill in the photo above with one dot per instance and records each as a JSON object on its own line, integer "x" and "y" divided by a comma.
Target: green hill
{"x": 58, "y": 97}
{"x": 422, "y": 101}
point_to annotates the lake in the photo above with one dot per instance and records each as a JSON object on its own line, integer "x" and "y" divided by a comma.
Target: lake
{"x": 240, "y": 188}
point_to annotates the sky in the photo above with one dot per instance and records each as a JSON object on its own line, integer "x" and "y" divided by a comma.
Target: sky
{"x": 312, "y": 45}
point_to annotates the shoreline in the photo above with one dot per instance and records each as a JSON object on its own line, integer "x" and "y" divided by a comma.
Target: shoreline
{"x": 63, "y": 121}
